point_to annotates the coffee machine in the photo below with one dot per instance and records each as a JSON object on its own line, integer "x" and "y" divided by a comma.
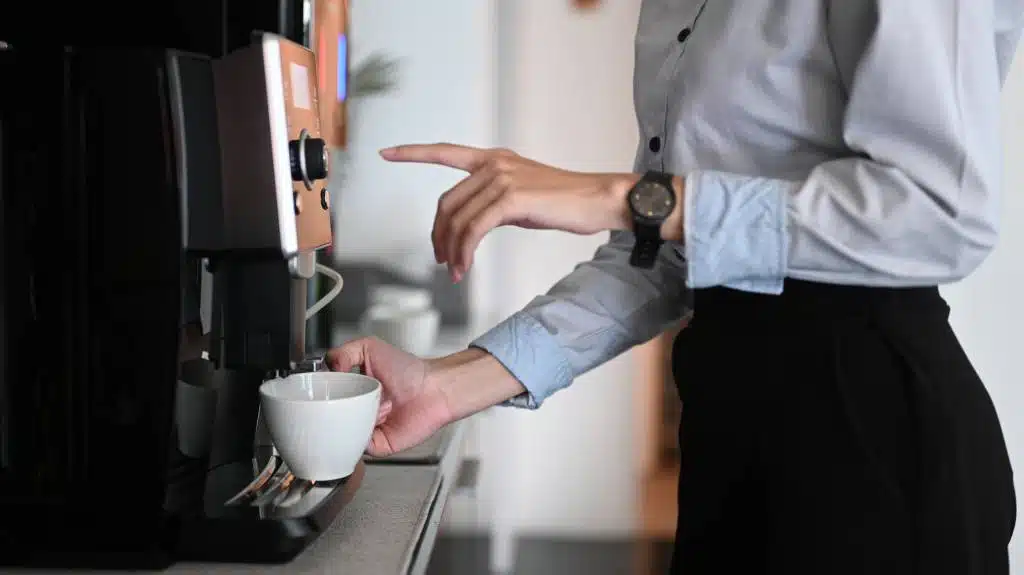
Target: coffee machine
{"x": 161, "y": 211}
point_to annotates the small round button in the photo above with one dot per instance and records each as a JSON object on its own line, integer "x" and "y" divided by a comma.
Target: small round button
{"x": 325, "y": 199}
{"x": 654, "y": 144}
{"x": 297, "y": 199}
{"x": 683, "y": 34}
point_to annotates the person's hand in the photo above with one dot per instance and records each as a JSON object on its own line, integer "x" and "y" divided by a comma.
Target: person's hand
{"x": 412, "y": 408}
{"x": 422, "y": 396}
{"x": 504, "y": 188}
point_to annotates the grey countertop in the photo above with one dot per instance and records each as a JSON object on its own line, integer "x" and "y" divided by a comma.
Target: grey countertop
{"x": 391, "y": 524}
{"x": 388, "y": 528}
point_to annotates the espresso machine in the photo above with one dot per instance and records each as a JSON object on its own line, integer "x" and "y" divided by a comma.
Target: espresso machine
{"x": 162, "y": 207}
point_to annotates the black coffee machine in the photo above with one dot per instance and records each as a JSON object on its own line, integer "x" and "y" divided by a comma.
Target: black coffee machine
{"x": 162, "y": 207}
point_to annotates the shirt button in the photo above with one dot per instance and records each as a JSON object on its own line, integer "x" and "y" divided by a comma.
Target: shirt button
{"x": 683, "y": 34}
{"x": 654, "y": 144}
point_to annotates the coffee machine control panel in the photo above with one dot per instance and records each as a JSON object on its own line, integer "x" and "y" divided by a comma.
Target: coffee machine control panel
{"x": 308, "y": 155}
{"x": 274, "y": 160}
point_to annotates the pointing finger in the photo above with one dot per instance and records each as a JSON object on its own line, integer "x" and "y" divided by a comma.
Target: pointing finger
{"x": 463, "y": 158}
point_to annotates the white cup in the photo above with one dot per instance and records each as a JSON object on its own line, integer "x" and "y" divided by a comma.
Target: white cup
{"x": 404, "y": 297}
{"x": 322, "y": 421}
{"x": 413, "y": 330}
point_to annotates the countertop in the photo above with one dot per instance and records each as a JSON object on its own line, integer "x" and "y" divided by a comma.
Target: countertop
{"x": 391, "y": 524}
{"x": 389, "y": 527}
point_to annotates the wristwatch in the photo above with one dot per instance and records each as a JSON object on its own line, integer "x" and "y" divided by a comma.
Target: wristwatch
{"x": 651, "y": 201}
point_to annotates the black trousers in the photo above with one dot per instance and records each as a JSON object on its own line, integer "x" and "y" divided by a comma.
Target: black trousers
{"x": 836, "y": 430}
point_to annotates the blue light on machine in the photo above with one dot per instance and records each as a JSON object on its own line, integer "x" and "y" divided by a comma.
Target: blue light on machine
{"x": 342, "y": 67}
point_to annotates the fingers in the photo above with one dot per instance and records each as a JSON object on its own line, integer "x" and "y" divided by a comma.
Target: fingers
{"x": 458, "y": 210}
{"x": 348, "y": 356}
{"x": 471, "y": 209}
{"x": 482, "y": 211}
{"x": 382, "y": 412}
{"x": 451, "y": 202}
{"x": 463, "y": 158}
{"x": 451, "y": 225}
{"x": 494, "y": 215}
{"x": 379, "y": 445}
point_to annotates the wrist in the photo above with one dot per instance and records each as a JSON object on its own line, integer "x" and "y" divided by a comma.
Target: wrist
{"x": 470, "y": 381}
{"x": 672, "y": 227}
{"x": 616, "y": 188}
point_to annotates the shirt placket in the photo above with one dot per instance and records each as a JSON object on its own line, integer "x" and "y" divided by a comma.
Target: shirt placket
{"x": 657, "y": 142}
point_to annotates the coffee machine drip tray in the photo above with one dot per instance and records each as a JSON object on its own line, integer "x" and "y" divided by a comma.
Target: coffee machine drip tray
{"x": 260, "y": 512}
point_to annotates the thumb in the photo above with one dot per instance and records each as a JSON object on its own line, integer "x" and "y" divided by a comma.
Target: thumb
{"x": 348, "y": 356}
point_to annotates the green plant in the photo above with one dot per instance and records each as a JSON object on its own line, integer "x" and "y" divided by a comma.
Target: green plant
{"x": 375, "y": 75}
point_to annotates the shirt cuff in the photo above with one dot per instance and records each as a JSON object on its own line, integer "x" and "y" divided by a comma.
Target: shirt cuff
{"x": 735, "y": 231}
{"x": 531, "y": 354}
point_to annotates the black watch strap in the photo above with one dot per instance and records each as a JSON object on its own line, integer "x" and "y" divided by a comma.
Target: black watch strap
{"x": 647, "y": 233}
{"x": 648, "y": 242}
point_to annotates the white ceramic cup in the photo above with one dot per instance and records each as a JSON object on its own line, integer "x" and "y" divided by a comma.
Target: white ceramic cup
{"x": 322, "y": 421}
{"x": 405, "y": 297}
{"x": 413, "y": 330}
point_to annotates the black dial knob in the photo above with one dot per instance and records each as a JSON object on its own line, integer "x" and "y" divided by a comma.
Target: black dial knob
{"x": 308, "y": 158}
{"x": 316, "y": 159}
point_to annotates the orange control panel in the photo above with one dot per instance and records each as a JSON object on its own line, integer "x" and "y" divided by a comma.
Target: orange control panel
{"x": 309, "y": 154}
{"x": 274, "y": 158}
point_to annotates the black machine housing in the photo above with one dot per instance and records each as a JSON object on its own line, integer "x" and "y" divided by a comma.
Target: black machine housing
{"x": 102, "y": 376}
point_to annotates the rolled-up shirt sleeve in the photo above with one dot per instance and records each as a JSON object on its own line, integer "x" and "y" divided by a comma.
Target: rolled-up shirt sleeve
{"x": 604, "y": 307}
{"x": 916, "y": 202}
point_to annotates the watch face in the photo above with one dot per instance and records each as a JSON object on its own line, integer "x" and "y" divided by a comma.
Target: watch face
{"x": 651, "y": 200}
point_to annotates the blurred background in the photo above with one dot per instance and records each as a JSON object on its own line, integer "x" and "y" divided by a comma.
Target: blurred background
{"x": 586, "y": 484}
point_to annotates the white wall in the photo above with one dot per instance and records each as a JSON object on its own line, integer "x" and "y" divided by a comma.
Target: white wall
{"x": 988, "y": 307}
{"x": 445, "y": 92}
{"x": 566, "y": 99}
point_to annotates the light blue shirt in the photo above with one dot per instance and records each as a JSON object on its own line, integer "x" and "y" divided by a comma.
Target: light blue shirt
{"x": 838, "y": 141}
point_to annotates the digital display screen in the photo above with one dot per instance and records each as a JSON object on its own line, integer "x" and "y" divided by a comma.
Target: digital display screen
{"x": 300, "y": 86}
{"x": 342, "y": 67}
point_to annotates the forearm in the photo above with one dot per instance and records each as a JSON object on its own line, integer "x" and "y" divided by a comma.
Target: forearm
{"x": 601, "y": 309}
{"x": 471, "y": 381}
